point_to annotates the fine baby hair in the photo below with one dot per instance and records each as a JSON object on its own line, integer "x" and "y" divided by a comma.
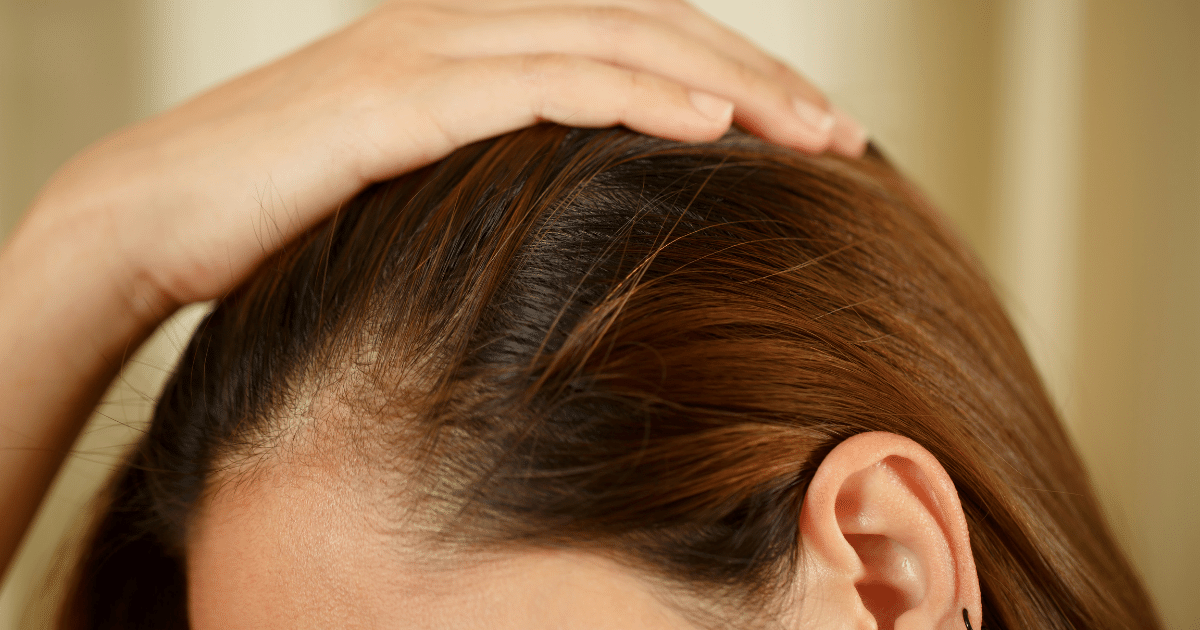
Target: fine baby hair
{"x": 599, "y": 340}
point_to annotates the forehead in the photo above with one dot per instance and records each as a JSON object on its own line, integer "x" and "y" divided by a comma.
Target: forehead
{"x": 301, "y": 549}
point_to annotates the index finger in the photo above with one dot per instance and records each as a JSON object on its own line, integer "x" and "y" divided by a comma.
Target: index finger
{"x": 848, "y": 135}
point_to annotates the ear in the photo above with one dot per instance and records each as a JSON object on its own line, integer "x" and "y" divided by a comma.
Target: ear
{"x": 884, "y": 542}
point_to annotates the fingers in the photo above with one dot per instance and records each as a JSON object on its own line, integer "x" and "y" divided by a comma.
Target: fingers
{"x": 479, "y": 98}
{"x": 680, "y": 15}
{"x": 632, "y": 40}
{"x": 703, "y": 27}
{"x": 849, "y": 138}
{"x": 692, "y": 23}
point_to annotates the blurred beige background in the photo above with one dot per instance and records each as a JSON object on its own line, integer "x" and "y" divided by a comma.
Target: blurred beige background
{"x": 1062, "y": 137}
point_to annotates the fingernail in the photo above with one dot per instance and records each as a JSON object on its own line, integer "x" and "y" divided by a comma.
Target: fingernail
{"x": 711, "y": 107}
{"x": 813, "y": 117}
{"x": 849, "y": 136}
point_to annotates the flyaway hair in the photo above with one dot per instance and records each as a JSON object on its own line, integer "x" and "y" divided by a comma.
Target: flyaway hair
{"x": 594, "y": 339}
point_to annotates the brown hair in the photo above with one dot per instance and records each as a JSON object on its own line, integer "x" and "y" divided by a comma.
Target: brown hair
{"x": 608, "y": 341}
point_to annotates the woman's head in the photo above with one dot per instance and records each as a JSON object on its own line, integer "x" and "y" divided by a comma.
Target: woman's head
{"x": 605, "y": 374}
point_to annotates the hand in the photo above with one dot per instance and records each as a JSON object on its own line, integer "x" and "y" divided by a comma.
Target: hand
{"x": 192, "y": 200}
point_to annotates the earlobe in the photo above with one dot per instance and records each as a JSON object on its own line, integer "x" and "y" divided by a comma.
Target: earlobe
{"x": 884, "y": 541}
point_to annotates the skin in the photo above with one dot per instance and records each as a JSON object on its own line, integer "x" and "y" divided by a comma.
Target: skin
{"x": 307, "y": 550}
{"x": 182, "y": 207}
{"x": 885, "y": 544}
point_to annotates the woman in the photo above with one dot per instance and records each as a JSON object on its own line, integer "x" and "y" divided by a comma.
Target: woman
{"x": 561, "y": 379}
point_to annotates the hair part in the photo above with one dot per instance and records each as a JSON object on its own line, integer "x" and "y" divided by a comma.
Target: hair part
{"x": 593, "y": 339}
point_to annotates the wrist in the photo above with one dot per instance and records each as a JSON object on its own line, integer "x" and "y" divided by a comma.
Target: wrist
{"x": 64, "y": 268}
{"x": 66, "y": 328}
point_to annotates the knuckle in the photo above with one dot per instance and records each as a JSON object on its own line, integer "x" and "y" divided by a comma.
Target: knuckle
{"x": 777, "y": 69}
{"x": 388, "y": 24}
{"x": 635, "y": 87}
{"x": 768, "y": 86}
{"x": 636, "y": 83}
{"x": 745, "y": 74}
{"x": 816, "y": 98}
{"x": 540, "y": 74}
{"x": 544, "y": 68}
